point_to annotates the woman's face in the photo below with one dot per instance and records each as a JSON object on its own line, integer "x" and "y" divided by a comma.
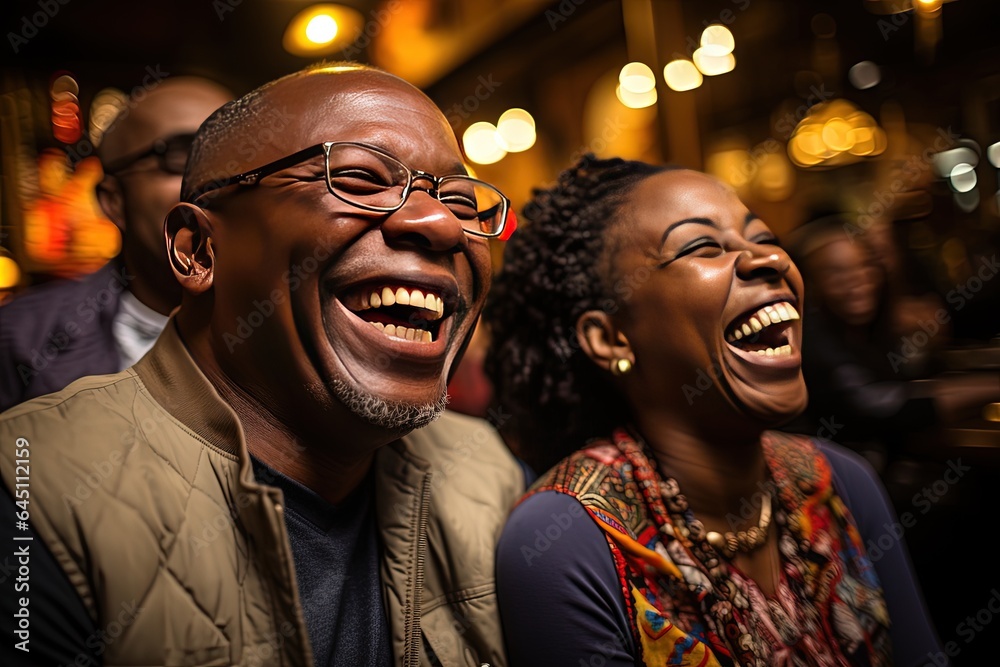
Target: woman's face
{"x": 711, "y": 309}
{"x": 846, "y": 279}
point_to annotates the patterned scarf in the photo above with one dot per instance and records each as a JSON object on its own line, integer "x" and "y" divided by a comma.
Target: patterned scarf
{"x": 688, "y": 605}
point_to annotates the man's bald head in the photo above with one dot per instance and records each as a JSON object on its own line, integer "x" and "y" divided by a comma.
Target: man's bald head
{"x": 252, "y": 130}
{"x": 174, "y": 106}
{"x": 139, "y": 187}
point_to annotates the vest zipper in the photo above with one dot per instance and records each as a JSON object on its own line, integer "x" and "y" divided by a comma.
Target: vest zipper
{"x": 411, "y": 654}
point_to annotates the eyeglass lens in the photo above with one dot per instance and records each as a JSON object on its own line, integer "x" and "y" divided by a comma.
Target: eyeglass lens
{"x": 367, "y": 178}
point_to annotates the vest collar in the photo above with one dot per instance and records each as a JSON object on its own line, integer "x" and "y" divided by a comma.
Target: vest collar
{"x": 176, "y": 382}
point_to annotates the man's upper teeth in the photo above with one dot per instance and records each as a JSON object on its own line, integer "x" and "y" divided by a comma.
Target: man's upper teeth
{"x": 763, "y": 318}
{"x": 415, "y": 298}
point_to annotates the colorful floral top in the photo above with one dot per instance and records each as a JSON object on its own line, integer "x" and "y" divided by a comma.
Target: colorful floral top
{"x": 687, "y": 605}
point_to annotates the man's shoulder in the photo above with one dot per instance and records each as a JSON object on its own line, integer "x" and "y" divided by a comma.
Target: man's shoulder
{"x": 456, "y": 435}
{"x": 82, "y": 420}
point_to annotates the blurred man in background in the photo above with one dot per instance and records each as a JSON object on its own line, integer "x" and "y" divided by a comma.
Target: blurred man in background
{"x": 58, "y": 332}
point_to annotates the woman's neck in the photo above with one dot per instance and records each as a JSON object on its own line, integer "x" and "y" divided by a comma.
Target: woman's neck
{"x": 722, "y": 477}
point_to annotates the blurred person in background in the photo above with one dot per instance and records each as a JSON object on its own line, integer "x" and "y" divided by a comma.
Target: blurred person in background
{"x": 646, "y": 319}
{"x": 55, "y": 333}
{"x": 862, "y": 384}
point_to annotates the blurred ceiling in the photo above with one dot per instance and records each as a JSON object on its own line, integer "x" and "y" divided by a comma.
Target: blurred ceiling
{"x": 240, "y": 41}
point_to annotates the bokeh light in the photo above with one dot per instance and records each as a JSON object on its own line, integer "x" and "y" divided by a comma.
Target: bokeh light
{"x": 516, "y": 128}
{"x": 483, "y": 144}
{"x": 682, "y": 75}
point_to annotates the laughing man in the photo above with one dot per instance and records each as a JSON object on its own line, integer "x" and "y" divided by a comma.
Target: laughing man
{"x": 266, "y": 487}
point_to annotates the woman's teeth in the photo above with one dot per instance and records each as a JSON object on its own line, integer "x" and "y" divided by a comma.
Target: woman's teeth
{"x": 762, "y": 319}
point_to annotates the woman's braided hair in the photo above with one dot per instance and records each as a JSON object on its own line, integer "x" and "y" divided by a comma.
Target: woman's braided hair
{"x": 554, "y": 270}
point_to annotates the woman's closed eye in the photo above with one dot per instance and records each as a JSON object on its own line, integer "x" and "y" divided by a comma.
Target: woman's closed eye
{"x": 767, "y": 240}
{"x": 704, "y": 247}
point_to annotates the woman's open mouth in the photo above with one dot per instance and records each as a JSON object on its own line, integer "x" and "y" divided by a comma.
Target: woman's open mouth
{"x": 765, "y": 331}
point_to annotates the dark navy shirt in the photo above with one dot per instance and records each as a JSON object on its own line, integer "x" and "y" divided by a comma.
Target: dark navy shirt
{"x": 336, "y": 554}
{"x": 561, "y": 602}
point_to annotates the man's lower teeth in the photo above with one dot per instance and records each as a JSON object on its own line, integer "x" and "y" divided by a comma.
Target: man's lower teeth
{"x": 783, "y": 351}
{"x": 406, "y": 333}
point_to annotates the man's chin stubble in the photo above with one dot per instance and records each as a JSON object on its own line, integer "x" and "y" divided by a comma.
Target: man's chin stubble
{"x": 391, "y": 415}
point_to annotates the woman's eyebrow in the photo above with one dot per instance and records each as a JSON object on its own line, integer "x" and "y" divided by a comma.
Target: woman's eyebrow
{"x": 686, "y": 221}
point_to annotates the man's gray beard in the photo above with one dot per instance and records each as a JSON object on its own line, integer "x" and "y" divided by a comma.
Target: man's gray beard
{"x": 390, "y": 415}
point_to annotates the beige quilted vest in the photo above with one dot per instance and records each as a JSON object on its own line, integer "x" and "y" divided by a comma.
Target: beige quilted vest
{"x": 141, "y": 487}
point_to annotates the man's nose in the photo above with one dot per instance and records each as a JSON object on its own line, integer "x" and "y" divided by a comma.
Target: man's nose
{"x": 767, "y": 262}
{"x": 425, "y": 222}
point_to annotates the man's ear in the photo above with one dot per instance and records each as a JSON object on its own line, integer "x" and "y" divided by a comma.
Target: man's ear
{"x": 601, "y": 340}
{"x": 188, "y": 233}
{"x": 112, "y": 201}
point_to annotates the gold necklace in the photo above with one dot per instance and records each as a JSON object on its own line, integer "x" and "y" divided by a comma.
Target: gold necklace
{"x": 743, "y": 541}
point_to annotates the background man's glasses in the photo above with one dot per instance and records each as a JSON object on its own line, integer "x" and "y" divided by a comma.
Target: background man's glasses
{"x": 171, "y": 154}
{"x": 373, "y": 180}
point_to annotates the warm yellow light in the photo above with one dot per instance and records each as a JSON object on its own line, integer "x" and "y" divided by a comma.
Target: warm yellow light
{"x": 732, "y": 166}
{"x": 637, "y": 78}
{"x": 321, "y": 29}
{"x": 636, "y": 100}
{"x": 775, "y": 179}
{"x": 483, "y": 144}
{"x": 682, "y": 75}
{"x": 835, "y": 134}
{"x": 10, "y": 273}
{"x": 800, "y": 156}
{"x": 516, "y": 128}
{"x": 862, "y": 140}
{"x": 713, "y": 65}
{"x": 808, "y": 139}
{"x": 717, "y": 40}
{"x": 927, "y": 6}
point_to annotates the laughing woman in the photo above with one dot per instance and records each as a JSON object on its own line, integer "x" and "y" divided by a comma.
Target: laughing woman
{"x": 646, "y": 332}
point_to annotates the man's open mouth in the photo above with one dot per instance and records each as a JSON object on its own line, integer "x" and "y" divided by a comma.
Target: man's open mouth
{"x": 765, "y": 330}
{"x": 404, "y": 312}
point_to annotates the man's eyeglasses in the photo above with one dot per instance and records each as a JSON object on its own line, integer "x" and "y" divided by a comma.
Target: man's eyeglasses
{"x": 372, "y": 180}
{"x": 171, "y": 154}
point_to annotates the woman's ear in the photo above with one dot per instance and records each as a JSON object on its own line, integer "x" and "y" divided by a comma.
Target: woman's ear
{"x": 188, "y": 233}
{"x": 602, "y": 341}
